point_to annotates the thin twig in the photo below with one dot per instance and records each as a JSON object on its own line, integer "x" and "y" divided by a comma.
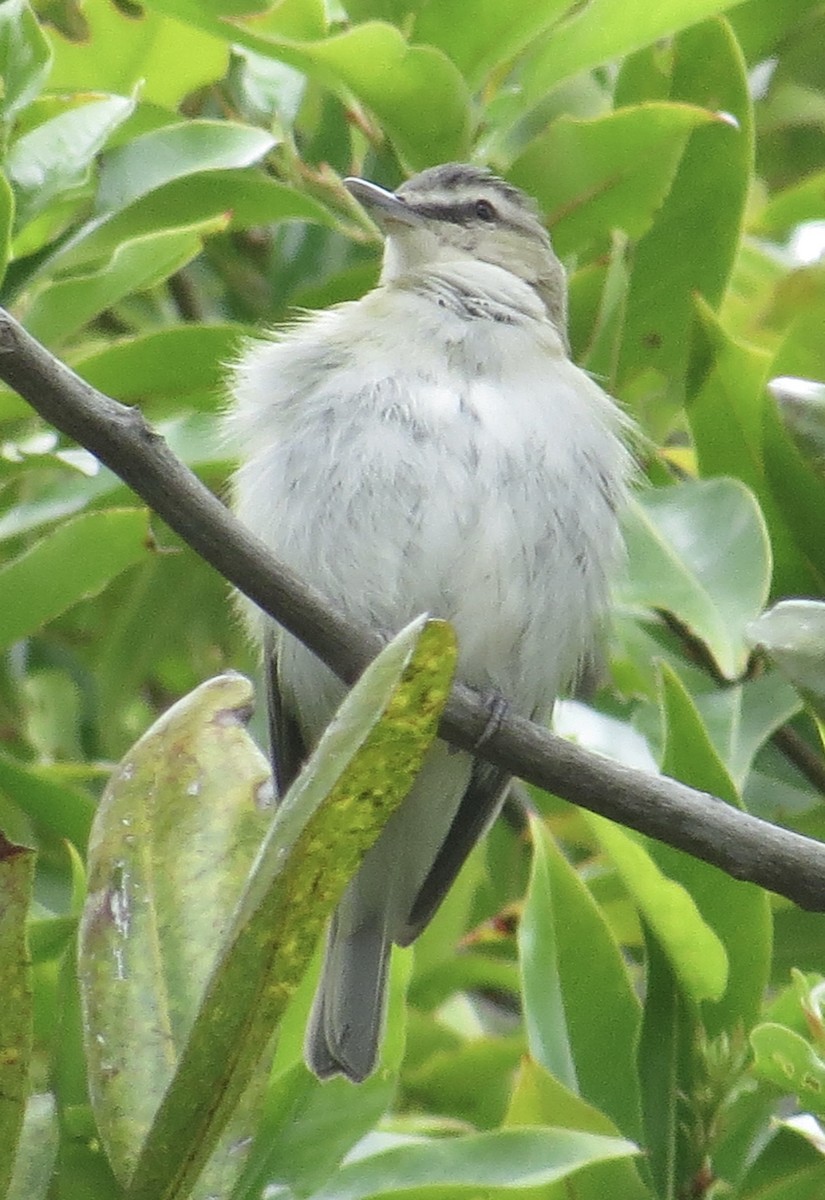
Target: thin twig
{"x": 742, "y": 845}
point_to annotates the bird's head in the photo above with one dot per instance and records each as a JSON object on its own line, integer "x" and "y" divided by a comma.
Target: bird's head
{"x": 458, "y": 212}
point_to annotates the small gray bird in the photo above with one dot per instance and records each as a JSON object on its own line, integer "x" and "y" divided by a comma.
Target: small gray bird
{"x": 430, "y": 448}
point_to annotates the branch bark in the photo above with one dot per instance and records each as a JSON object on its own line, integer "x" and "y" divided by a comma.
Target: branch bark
{"x": 700, "y": 824}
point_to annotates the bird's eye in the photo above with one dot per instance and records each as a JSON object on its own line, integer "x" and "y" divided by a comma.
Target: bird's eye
{"x": 484, "y": 210}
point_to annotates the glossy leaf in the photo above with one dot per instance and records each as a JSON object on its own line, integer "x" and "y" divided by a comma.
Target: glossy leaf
{"x": 700, "y": 551}
{"x": 790, "y": 1166}
{"x": 54, "y": 160}
{"x": 539, "y": 1099}
{"x": 416, "y": 93}
{"x": 798, "y": 489}
{"x": 16, "y": 879}
{"x": 6, "y": 223}
{"x": 171, "y": 845}
{"x": 601, "y": 30}
{"x": 164, "y": 370}
{"x": 54, "y": 310}
{"x": 790, "y": 1062}
{"x": 241, "y": 199}
{"x": 793, "y": 634}
{"x": 728, "y": 415}
{"x": 702, "y": 214}
{"x": 477, "y": 36}
{"x": 802, "y": 405}
{"x": 738, "y": 912}
{"x": 36, "y": 1151}
{"x": 741, "y": 719}
{"x": 148, "y": 162}
{"x": 495, "y": 1163}
{"x": 24, "y": 57}
{"x": 564, "y": 999}
{"x": 798, "y": 203}
{"x": 123, "y": 49}
{"x": 322, "y": 828}
{"x": 697, "y": 956}
{"x": 669, "y": 1029}
{"x": 547, "y": 1034}
{"x": 51, "y": 802}
{"x": 610, "y": 172}
{"x": 75, "y": 561}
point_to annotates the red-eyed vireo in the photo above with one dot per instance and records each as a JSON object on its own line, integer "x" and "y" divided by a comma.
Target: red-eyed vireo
{"x": 430, "y": 448}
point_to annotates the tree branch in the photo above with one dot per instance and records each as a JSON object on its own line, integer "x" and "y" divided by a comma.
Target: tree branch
{"x": 743, "y": 846}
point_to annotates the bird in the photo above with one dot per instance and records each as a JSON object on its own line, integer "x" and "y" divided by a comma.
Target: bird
{"x": 429, "y": 448}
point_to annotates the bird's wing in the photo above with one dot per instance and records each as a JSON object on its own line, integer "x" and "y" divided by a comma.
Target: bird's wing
{"x": 479, "y": 807}
{"x": 287, "y": 748}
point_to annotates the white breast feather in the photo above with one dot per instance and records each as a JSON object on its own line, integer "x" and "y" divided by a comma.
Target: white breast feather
{"x": 458, "y": 480}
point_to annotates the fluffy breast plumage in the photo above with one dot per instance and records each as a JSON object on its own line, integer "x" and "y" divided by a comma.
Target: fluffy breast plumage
{"x": 476, "y": 479}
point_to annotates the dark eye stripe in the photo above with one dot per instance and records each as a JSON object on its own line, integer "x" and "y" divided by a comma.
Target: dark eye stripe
{"x": 463, "y": 213}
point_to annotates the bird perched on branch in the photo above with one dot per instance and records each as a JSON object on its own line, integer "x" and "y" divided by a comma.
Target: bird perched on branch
{"x": 430, "y": 448}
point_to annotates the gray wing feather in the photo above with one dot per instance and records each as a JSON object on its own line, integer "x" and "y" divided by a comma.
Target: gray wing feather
{"x": 479, "y": 807}
{"x": 287, "y": 748}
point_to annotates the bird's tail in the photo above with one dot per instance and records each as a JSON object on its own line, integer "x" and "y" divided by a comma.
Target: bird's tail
{"x": 344, "y": 1027}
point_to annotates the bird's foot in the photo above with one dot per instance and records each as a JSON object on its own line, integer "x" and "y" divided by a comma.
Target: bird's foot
{"x": 497, "y": 707}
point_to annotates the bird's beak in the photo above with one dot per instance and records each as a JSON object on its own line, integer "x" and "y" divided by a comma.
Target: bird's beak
{"x": 384, "y": 207}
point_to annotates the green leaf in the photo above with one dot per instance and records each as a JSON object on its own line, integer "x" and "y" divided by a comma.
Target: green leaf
{"x": 124, "y": 48}
{"x": 470, "y": 1079}
{"x": 669, "y": 1028}
{"x": 243, "y": 199}
{"x": 700, "y": 551}
{"x": 36, "y": 1150}
{"x": 610, "y": 172}
{"x": 539, "y": 1099}
{"x": 793, "y": 634}
{"x": 48, "y": 800}
{"x": 729, "y": 422}
{"x": 547, "y": 1034}
{"x": 24, "y": 57}
{"x": 695, "y": 952}
{"x": 740, "y": 719}
{"x": 691, "y": 246}
{"x": 417, "y": 94}
{"x": 361, "y": 769}
{"x": 172, "y": 843}
{"x": 793, "y": 205}
{"x": 53, "y": 310}
{"x": 802, "y": 405}
{"x": 564, "y": 1003}
{"x": 799, "y": 491}
{"x": 74, "y": 561}
{"x": 415, "y": 91}
{"x": 156, "y": 158}
{"x": 165, "y": 370}
{"x": 492, "y": 1163}
{"x": 478, "y": 35}
{"x": 784, "y": 1058}
{"x": 191, "y": 436}
{"x": 82, "y": 1170}
{"x": 738, "y": 912}
{"x": 54, "y": 161}
{"x": 307, "y": 1127}
{"x": 6, "y": 223}
{"x": 16, "y": 879}
{"x": 789, "y": 1166}
{"x": 602, "y": 30}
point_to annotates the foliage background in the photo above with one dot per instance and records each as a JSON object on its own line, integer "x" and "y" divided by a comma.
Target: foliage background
{"x": 171, "y": 180}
